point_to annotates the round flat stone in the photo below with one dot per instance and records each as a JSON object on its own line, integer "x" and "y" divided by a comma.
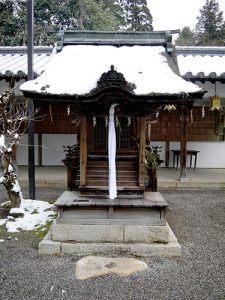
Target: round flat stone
{"x": 93, "y": 266}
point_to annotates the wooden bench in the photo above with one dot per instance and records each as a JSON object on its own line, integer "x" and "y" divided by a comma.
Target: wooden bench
{"x": 191, "y": 153}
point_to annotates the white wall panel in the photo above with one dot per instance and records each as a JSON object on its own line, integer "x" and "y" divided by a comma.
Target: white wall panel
{"x": 52, "y": 151}
{"x": 52, "y": 148}
{"x": 22, "y": 150}
{"x": 211, "y": 155}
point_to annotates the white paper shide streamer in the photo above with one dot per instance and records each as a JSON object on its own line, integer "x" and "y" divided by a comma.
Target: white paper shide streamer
{"x": 112, "y": 154}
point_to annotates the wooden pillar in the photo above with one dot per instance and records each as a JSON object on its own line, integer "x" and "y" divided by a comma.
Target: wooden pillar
{"x": 149, "y": 127}
{"x": 167, "y": 154}
{"x": 142, "y": 141}
{"x": 183, "y": 141}
{"x": 83, "y": 150}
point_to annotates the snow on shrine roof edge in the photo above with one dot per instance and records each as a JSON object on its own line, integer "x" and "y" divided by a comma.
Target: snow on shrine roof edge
{"x": 76, "y": 70}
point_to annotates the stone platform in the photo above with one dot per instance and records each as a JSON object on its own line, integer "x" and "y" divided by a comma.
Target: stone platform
{"x": 100, "y": 226}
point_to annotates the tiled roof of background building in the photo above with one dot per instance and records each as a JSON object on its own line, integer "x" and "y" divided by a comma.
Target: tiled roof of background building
{"x": 13, "y": 61}
{"x": 202, "y": 63}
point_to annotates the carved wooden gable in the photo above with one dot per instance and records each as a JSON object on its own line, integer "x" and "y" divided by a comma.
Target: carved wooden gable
{"x": 114, "y": 78}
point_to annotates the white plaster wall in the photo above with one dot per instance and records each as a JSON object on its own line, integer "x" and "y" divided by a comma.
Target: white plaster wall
{"x": 52, "y": 152}
{"x": 17, "y": 88}
{"x": 211, "y": 155}
{"x": 212, "y": 89}
{"x": 22, "y": 150}
{"x": 3, "y": 86}
{"x": 162, "y": 150}
{"x": 52, "y": 148}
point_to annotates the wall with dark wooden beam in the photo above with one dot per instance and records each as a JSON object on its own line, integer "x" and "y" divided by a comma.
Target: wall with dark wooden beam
{"x": 167, "y": 128}
{"x": 209, "y": 128}
{"x": 55, "y": 120}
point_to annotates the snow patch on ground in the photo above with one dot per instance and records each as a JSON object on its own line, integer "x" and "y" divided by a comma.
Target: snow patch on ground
{"x": 35, "y": 214}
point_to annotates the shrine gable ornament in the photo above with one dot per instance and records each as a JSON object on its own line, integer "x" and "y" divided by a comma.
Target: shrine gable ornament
{"x": 115, "y": 79}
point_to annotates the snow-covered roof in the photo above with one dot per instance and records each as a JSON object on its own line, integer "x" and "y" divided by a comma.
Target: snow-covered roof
{"x": 77, "y": 68}
{"x": 202, "y": 62}
{"x": 13, "y": 61}
{"x": 194, "y": 62}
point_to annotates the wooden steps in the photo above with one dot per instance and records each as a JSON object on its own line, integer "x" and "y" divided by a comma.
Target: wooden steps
{"x": 97, "y": 176}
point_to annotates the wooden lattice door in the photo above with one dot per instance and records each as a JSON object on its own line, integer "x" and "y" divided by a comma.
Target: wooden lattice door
{"x": 124, "y": 134}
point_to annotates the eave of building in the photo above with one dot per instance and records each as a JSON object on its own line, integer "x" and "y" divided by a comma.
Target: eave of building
{"x": 202, "y": 64}
{"x": 113, "y": 92}
{"x": 200, "y": 50}
{"x": 203, "y": 78}
{"x": 13, "y": 61}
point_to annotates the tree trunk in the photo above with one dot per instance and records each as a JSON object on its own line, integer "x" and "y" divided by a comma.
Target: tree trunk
{"x": 14, "y": 197}
{"x": 10, "y": 181}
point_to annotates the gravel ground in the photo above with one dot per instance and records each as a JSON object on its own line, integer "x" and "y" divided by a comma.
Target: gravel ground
{"x": 197, "y": 218}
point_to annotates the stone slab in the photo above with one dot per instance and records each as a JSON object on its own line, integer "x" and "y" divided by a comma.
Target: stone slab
{"x": 113, "y": 233}
{"x": 146, "y": 234}
{"x": 152, "y": 221}
{"x": 87, "y": 233}
{"x": 49, "y": 247}
{"x": 93, "y": 266}
{"x": 170, "y": 249}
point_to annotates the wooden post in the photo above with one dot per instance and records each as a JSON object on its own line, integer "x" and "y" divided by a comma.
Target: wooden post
{"x": 183, "y": 141}
{"x": 142, "y": 141}
{"x": 149, "y": 127}
{"x": 167, "y": 154}
{"x": 83, "y": 150}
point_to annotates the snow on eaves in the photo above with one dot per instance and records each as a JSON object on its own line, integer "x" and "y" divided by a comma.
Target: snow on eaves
{"x": 202, "y": 64}
{"x": 77, "y": 69}
{"x": 201, "y": 61}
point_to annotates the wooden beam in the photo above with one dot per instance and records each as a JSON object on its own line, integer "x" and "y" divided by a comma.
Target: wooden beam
{"x": 142, "y": 141}
{"x": 83, "y": 150}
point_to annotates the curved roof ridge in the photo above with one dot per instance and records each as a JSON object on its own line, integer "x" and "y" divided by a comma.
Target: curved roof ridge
{"x": 23, "y": 49}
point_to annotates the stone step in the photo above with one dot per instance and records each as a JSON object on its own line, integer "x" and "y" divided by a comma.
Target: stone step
{"x": 108, "y": 233}
{"x": 170, "y": 249}
{"x": 105, "y": 163}
{"x": 119, "y": 196}
{"x": 100, "y": 182}
{"x": 119, "y": 175}
{"x": 96, "y": 188}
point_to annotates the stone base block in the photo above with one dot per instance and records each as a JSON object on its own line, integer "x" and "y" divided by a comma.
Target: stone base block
{"x": 87, "y": 233}
{"x": 136, "y": 249}
{"x": 146, "y": 234}
{"x": 170, "y": 249}
{"x": 49, "y": 247}
{"x": 110, "y": 233}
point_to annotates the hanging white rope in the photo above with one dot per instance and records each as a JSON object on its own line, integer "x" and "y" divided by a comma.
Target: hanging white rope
{"x": 112, "y": 154}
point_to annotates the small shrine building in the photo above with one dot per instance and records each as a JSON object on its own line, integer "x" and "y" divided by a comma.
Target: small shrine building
{"x": 113, "y": 85}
